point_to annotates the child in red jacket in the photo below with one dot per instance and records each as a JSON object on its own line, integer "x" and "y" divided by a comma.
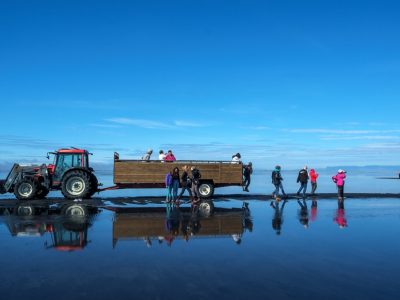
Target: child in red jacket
{"x": 313, "y": 176}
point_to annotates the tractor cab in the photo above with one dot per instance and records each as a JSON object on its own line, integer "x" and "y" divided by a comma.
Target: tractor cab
{"x": 65, "y": 159}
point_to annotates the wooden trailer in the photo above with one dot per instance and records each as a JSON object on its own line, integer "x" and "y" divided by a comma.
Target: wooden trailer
{"x": 151, "y": 174}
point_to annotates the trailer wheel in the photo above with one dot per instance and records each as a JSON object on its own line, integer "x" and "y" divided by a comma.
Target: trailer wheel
{"x": 206, "y": 189}
{"x": 25, "y": 189}
{"x": 206, "y": 209}
{"x": 76, "y": 184}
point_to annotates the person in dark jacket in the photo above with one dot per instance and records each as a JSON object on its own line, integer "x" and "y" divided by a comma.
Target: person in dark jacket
{"x": 196, "y": 175}
{"x": 185, "y": 183}
{"x": 247, "y": 171}
{"x": 277, "y": 182}
{"x": 302, "y": 178}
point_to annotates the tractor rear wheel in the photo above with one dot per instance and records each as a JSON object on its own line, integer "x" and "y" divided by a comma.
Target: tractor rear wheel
{"x": 25, "y": 189}
{"x": 94, "y": 184}
{"x": 76, "y": 185}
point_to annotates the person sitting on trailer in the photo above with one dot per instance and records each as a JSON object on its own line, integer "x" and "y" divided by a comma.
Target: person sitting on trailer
{"x": 148, "y": 154}
{"x": 161, "y": 155}
{"x": 236, "y": 158}
{"x": 170, "y": 157}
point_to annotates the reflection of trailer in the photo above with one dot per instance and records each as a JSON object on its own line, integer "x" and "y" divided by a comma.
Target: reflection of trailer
{"x": 66, "y": 225}
{"x": 151, "y": 174}
{"x": 139, "y": 223}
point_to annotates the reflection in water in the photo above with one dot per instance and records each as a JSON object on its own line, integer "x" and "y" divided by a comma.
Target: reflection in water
{"x": 174, "y": 222}
{"x": 314, "y": 209}
{"x": 65, "y": 224}
{"x": 278, "y": 216}
{"x": 340, "y": 217}
{"x": 303, "y": 213}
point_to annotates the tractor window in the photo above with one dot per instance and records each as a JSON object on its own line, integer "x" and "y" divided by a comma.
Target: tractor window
{"x": 67, "y": 161}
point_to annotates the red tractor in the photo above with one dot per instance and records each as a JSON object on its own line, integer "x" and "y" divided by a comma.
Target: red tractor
{"x": 69, "y": 173}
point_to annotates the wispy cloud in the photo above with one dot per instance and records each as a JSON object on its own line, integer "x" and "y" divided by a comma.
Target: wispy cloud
{"x": 341, "y": 131}
{"x": 358, "y": 137}
{"x": 180, "y": 123}
{"x": 149, "y": 124}
{"x": 106, "y": 125}
{"x": 260, "y": 128}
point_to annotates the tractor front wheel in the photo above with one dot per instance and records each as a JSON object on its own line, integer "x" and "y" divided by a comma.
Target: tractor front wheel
{"x": 25, "y": 189}
{"x": 76, "y": 185}
{"x": 42, "y": 192}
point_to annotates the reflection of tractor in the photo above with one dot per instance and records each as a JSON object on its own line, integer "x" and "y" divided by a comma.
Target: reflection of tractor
{"x": 67, "y": 225}
{"x": 69, "y": 173}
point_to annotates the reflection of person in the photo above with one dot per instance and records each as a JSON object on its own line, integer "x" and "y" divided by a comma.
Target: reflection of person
{"x": 339, "y": 180}
{"x": 277, "y": 182}
{"x": 302, "y": 178}
{"x": 277, "y": 220}
{"x": 194, "y": 225}
{"x": 340, "y": 217}
{"x": 314, "y": 205}
{"x": 147, "y": 241}
{"x": 247, "y": 220}
{"x": 146, "y": 157}
{"x": 237, "y": 238}
{"x": 247, "y": 171}
{"x": 303, "y": 213}
{"x": 172, "y": 222}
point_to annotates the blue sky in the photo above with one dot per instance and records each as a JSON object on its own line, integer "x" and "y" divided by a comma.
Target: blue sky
{"x": 288, "y": 82}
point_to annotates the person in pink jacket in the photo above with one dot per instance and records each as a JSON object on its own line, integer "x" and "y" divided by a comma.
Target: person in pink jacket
{"x": 338, "y": 179}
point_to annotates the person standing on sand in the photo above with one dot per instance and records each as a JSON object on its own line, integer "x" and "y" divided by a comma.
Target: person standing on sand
{"x": 313, "y": 178}
{"x": 175, "y": 183}
{"x": 185, "y": 183}
{"x": 277, "y": 182}
{"x": 338, "y": 179}
{"x": 168, "y": 185}
{"x": 196, "y": 175}
{"x": 303, "y": 179}
{"x": 247, "y": 171}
